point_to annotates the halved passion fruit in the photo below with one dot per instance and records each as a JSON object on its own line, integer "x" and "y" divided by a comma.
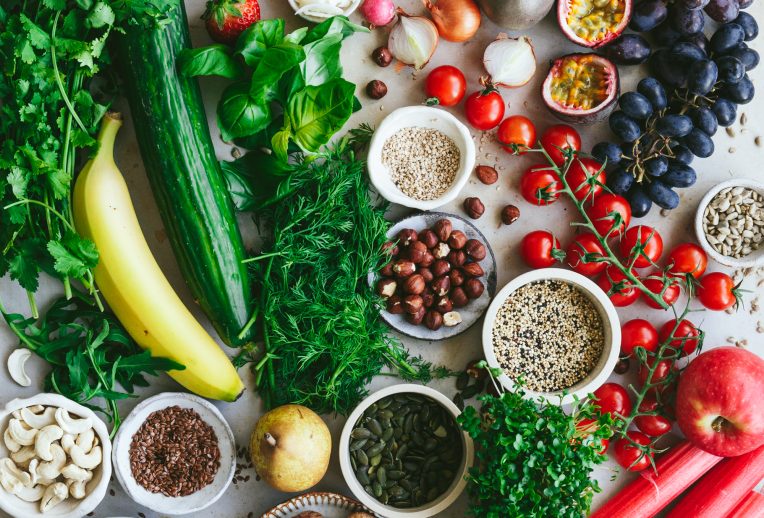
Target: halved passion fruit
{"x": 593, "y": 23}
{"x": 581, "y": 88}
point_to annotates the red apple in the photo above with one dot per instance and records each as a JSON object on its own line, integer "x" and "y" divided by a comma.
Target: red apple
{"x": 720, "y": 401}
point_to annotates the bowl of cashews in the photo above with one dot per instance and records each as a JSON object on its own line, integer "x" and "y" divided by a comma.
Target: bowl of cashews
{"x": 55, "y": 458}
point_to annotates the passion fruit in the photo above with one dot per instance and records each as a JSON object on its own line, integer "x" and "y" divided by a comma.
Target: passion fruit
{"x": 593, "y": 23}
{"x": 581, "y": 88}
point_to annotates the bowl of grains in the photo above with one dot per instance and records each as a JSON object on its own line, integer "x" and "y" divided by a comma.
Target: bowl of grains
{"x": 554, "y": 329}
{"x": 421, "y": 157}
{"x": 729, "y": 223}
{"x": 174, "y": 454}
{"x": 402, "y": 453}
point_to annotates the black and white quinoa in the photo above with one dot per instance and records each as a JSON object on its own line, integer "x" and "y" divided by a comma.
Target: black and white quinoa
{"x": 550, "y": 334}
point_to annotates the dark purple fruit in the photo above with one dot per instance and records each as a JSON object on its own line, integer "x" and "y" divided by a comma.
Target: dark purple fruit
{"x": 620, "y": 180}
{"x": 728, "y": 37}
{"x": 749, "y": 25}
{"x": 654, "y": 91}
{"x": 747, "y": 56}
{"x": 682, "y": 154}
{"x": 693, "y": 5}
{"x": 687, "y": 53}
{"x": 656, "y": 166}
{"x": 699, "y": 143}
{"x": 731, "y": 70}
{"x": 679, "y": 175}
{"x": 607, "y": 152}
{"x": 722, "y": 11}
{"x": 725, "y": 111}
{"x": 662, "y": 195}
{"x": 673, "y": 125}
{"x": 687, "y": 22}
{"x": 648, "y": 15}
{"x": 744, "y": 4}
{"x": 704, "y": 119}
{"x": 702, "y": 76}
{"x": 639, "y": 201}
{"x": 629, "y": 49}
{"x": 668, "y": 69}
{"x": 635, "y": 105}
{"x": 664, "y": 35}
{"x": 741, "y": 92}
{"x": 626, "y": 128}
{"x": 698, "y": 39}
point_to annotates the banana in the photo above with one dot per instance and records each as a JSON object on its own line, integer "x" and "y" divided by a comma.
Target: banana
{"x": 132, "y": 283}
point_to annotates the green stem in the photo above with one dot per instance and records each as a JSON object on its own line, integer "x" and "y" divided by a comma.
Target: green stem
{"x": 57, "y": 75}
{"x": 33, "y": 305}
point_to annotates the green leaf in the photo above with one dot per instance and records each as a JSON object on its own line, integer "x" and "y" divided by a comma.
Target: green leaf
{"x": 254, "y": 41}
{"x": 318, "y": 112}
{"x": 280, "y": 144}
{"x": 336, "y": 24}
{"x": 55, "y": 5}
{"x": 27, "y": 54}
{"x": 18, "y": 179}
{"x": 296, "y": 36}
{"x": 322, "y": 60}
{"x": 275, "y": 62}
{"x": 101, "y": 15}
{"x": 240, "y": 114}
{"x": 214, "y": 60}
{"x": 37, "y": 37}
{"x": 257, "y": 179}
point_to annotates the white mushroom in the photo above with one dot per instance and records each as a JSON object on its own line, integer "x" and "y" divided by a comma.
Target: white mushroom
{"x": 20, "y": 433}
{"x": 12, "y": 445}
{"x": 52, "y": 469}
{"x": 86, "y": 460}
{"x": 16, "y": 363}
{"x": 86, "y": 440}
{"x": 74, "y": 472}
{"x": 31, "y": 494}
{"x": 39, "y": 420}
{"x": 12, "y": 477}
{"x": 45, "y": 438}
{"x": 72, "y": 425}
{"x": 24, "y": 455}
{"x": 54, "y": 495}
{"x": 77, "y": 488}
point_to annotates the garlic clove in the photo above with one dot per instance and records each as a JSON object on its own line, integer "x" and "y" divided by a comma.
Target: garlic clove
{"x": 16, "y": 366}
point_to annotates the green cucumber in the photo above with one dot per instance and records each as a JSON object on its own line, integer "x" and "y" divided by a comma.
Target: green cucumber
{"x": 185, "y": 175}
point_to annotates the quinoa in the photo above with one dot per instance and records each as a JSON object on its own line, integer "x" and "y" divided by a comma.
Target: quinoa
{"x": 549, "y": 334}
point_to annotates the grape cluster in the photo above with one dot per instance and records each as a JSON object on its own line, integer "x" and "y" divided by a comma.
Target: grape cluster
{"x": 695, "y": 86}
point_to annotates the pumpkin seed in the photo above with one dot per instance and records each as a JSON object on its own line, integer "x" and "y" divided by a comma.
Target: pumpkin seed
{"x": 357, "y": 445}
{"x": 360, "y": 433}
{"x": 376, "y": 449}
{"x": 362, "y": 476}
{"x": 385, "y": 414}
{"x": 374, "y": 426}
{"x": 375, "y": 460}
{"x": 382, "y": 475}
{"x": 362, "y": 457}
{"x": 388, "y": 434}
{"x": 377, "y": 488}
{"x": 384, "y": 403}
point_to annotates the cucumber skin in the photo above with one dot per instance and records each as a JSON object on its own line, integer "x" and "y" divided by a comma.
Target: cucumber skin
{"x": 184, "y": 173}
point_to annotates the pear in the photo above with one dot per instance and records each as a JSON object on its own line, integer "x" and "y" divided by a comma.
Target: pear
{"x": 291, "y": 446}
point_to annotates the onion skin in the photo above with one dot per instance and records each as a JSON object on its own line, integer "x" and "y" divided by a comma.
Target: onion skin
{"x": 456, "y": 20}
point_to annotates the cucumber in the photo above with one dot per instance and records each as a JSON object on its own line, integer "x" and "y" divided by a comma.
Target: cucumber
{"x": 184, "y": 173}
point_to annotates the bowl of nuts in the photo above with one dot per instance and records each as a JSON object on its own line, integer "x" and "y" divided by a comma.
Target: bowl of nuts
{"x": 729, "y": 223}
{"x": 440, "y": 277}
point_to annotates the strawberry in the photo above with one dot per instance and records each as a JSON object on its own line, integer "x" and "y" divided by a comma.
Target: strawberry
{"x": 226, "y": 19}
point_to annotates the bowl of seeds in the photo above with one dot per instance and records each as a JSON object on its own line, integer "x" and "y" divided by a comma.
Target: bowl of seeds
{"x": 420, "y": 157}
{"x": 402, "y": 453}
{"x": 729, "y": 223}
{"x": 555, "y": 330}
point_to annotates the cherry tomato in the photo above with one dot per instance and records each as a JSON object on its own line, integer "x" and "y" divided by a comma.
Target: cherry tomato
{"x": 652, "y": 425}
{"x": 660, "y": 374}
{"x": 517, "y": 131}
{"x": 655, "y": 283}
{"x": 687, "y": 258}
{"x": 630, "y": 456}
{"x": 644, "y": 243}
{"x": 613, "y": 399}
{"x": 557, "y": 138}
{"x": 589, "y": 426}
{"x": 540, "y": 186}
{"x": 625, "y": 293}
{"x": 582, "y": 253}
{"x": 484, "y": 109}
{"x": 638, "y": 333}
{"x": 717, "y": 291}
{"x": 686, "y": 337}
{"x": 445, "y": 85}
{"x": 540, "y": 249}
{"x": 586, "y": 177}
{"x": 603, "y": 213}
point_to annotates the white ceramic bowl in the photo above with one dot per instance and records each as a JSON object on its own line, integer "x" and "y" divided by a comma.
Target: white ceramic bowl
{"x": 606, "y": 310}
{"x": 96, "y": 488}
{"x": 157, "y": 501}
{"x": 430, "y": 509}
{"x": 755, "y": 258}
{"x": 317, "y": 19}
{"x": 422, "y": 117}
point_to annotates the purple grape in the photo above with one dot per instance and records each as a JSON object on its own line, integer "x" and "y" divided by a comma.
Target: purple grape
{"x": 693, "y": 5}
{"x": 702, "y": 76}
{"x": 699, "y": 39}
{"x": 648, "y": 15}
{"x": 748, "y": 57}
{"x": 749, "y": 25}
{"x": 664, "y": 35}
{"x": 745, "y": 4}
{"x": 629, "y": 49}
{"x": 731, "y": 69}
{"x": 728, "y": 37}
{"x": 639, "y": 201}
{"x": 687, "y": 22}
{"x": 722, "y": 11}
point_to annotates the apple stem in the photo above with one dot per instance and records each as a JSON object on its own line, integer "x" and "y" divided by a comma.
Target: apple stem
{"x": 270, "y": 439}
{"x": 719, "y": 424}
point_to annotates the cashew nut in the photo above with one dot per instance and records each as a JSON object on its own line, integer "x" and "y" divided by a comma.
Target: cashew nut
{"x": 54, "y": 495}
{"x": 72, "y": 425}
{"x": 9, "y": 470}
{"x": 86, "y": 460}
{"x": 31, "y": 494}
{"x": 20, "y": 433}
{"x": 86, "y": 440}
{"x": 34, "y": 473}
{"x": 77, "y": 488}
{"x": 23, "y": 456}
{"x": 16, "y": 363}
{"x": 45, "y": 437}
{"x": 39, "y": 420}
{"x": 67, "y": 441}
{"x": 12, "y": 445}
{"x": 74, "y": 472}
{"x": 53, "y": 468}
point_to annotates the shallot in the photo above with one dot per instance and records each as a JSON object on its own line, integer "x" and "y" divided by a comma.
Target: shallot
{"x": 510, "y": 62}
{"x": 413, "y": 40}
{"x": 456, "y": 20}
{"x": 378, "y": 12}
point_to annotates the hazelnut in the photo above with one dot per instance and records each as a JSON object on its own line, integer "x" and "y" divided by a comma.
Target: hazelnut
{"x": 458, "y": 297}
{"x": 622, "y": 367}
{"x": 391, "y": 248}
{"x": 475, "y": 372}
{"x": 452, "y": 318}
{"x": 444, "y": 304}
{"x": 457, "y": 258}
{"x": 441, "y": 250}
{"x": 509, "y": 214}
{"x": 443, "y": 229}
{"x": 402, "y": 268}
{"x": 427, "y": 260}
{"x": 441, "y": 286}
{"x": 456, "y": 277}
{"x": 426, "y": 274}
{"x": 433, "y": 320}
{"x": 473, "y": 270}
{"x": 416, "y": 318}
{"x": 414, "y": 284}
{"x": 412, "y": 304}
{"x": 474, "y": 207}
{"x": 428, "y": 298}
{"x": 473, "y": 288}
{"x": 386, "y": 288}
{"x": 382, "y": 56}
{"x": 428, "y": 237}
{"x": 406, "y": 236}
{"x": 394, "y": 305}
{"x": 440, "y": 267}
{"x": 475, "y": 249}
{"x": 387, "y": 270}
{"x": 457, "y": 240}
{"x": 416, "y": 252}
{"x": 376, "y": 89}
{"x": 486, "y": 174}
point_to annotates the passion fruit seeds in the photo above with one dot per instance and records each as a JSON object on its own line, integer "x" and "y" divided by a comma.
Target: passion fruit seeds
{"x": 593, "y": 23}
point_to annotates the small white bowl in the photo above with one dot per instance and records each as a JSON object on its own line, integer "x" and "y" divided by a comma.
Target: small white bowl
{"x": 755, "y": 258}
{"x": 157, "y": 501}
{"x": 430, "y": 509}
{"x": 96, "y": 488}
{"x": 610, "y": 322}
{"x": 318, "y": 19}
{"x": 422, "y": 117}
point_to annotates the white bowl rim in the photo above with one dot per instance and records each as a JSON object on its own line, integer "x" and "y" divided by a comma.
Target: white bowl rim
{"x": 97, "y": 493}
{"x": 408, "y": 116}
{"x": 611, "y": 319}
{"x": 315, "y": 19}
{"x": 355, "y": 486}
{"x": 755, "y": 258}
{"x": 122, "y": 440}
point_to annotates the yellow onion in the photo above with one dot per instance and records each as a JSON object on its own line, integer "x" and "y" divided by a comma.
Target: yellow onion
{"x": 456, "y": 20}
{"x": 413, "y": 40}
{"x": 510, "y": 62}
